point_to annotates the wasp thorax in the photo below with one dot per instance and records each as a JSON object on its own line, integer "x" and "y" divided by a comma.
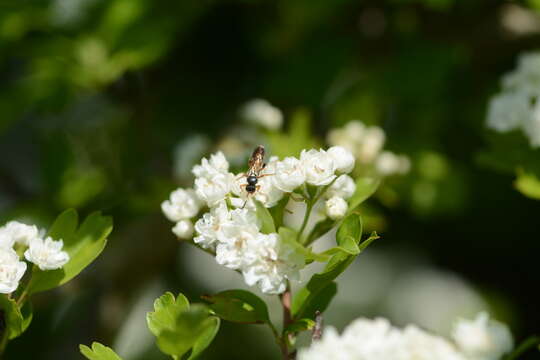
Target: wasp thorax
{"x": 251, "y": 180}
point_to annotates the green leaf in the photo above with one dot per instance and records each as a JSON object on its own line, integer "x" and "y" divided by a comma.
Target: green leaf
{"x": 523, "y": 347}
{"x": 205, "y": 339}
{"x": 296, "y": 139}
{"x": 166, "y": 310}
{"x": 98, "y": 352}
{"x": 299, "y": 326}
{"x": 11, "y": 316}
{"x": 267, "y": 222}
{"x": 365, "y": 187}
{"x": 320, "y": 289}
{"x": 239, "y": 306}
{"x": 83, "y": 246}
{"x": 179, "y": 326}
{"x": 528, "y": 184}
{"x": 317, "y": 299}
{"x": 189, "y": 326}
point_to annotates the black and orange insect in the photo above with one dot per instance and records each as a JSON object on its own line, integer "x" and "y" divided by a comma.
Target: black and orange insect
{"x": 256, "y": 165}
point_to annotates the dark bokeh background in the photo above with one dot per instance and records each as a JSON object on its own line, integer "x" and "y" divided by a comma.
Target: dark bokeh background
{"x": 95, "y": 95}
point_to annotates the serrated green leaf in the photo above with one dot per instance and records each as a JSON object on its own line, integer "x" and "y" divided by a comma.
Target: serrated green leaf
{"x": 83, "y": 247}
{"x": 98, "y": 352}
{"x": 166, "y": 311}
{"x": 65, "y": 225}
{"x": 299, "y": 326}
{"x": 205, "y": 339}
{"x": 365, "y": 187}
{"x": 267, "y": 222}
{"x": 189, "y": 326}
{"x": 239, "y": 306}
{"x": 11, "y": 316}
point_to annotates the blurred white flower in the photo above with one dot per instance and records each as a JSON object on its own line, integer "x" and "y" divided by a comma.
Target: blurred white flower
{"x": 336, "y": 207}
{"x": 319, "y": 167}
{"x": 261, "y": 112}
{"x": 211, "y": 225}
{"x": 388, "y": 163}
{"x": 46, "y": 254}
{"x": 182, "y": 204}
{"x": 268, "y": 193}
{"x": 482, "y": 338}
{"x": 289, "y": 174}
{"x": 11, "y": 270}
{"x": 16, "y": 232}
{"x": 343, "y": 159}
{"x": 377, "y": 339}
{"x": 344, "y": 187}
{"x": 517, "y": 105}
{"x": 372, "y": 144}
{"x": 183, "y": 229}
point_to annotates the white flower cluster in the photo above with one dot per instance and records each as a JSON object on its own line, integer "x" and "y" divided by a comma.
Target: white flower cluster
{"x": 365, "y": 339}
{"x": 232, "y": 230}
{"x": 46, "y": 254}
{"x": 261, "y": 112}
{"x": 366, "y": 143}
{"x": 517, "y": 106}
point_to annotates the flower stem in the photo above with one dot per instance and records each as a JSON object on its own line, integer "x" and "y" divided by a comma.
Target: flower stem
{"x": 309, "y": 206}
{"x": 286, "y": 302}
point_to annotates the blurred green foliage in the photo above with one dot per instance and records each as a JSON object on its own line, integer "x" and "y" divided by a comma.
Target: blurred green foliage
{"x": 96, "y": 94}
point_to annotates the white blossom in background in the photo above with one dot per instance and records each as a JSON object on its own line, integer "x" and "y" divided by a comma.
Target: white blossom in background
{"x": 344, "y": 187}
{"x": 262, "y": 113}
{"x": 377, "y": 339}
{"x": 388, "y": 163}
{"x": 319, "y": 167}
{"x": 46, "y": 254}
{"x": 336, "y": 207}
{"x": 482, "y": 338}
{"x": 16, "y": 232}
{"x": 516, "y": 106}
{"x": 183, "y": 229}
{"x": 289, "y": 174}
{"x": 343, "y": 159}
{"x": 182, "y": 204}
{"x": 366, "y": 145}
{"x": 11, "y": 270}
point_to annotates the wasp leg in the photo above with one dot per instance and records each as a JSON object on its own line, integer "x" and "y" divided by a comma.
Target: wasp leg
{"x": 263, "y": 175}
{"x": 300, "y": 199}
{"x": 241, "y": 176}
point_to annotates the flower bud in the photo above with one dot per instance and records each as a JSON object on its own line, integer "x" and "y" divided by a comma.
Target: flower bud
{"x": 183, "y": 229}
{"x": 343, "y": 159}
{"x": 336, "y": 207}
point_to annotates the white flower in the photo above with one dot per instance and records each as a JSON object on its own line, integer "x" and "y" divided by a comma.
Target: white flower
{"x": 183, "y": 229}
{"x": 531, "y": 126}
{"x": 482, "y": 338}
{"x": 289, "y": 174}
{"x": 208, "y": 168}
{"x": 261, "y": 112}
{"x": 318, "y": 167}
{"x": 336, "y": 207}
{"x": 388, "y": 163}
{"x": 377, "y": 339}
{"x": 349, "y": 136}
{"x": 344, "y": 187}
{"x": 11, "y": 270}
{"x": 371, "y": 144}
{"x": 16, "y": 232}
{"x": 182, "y": 204}
{"x": 213, "y": 189}
{"x": 507, "y": 111}
{"x": 46, "y": 254}
{"x": 271, "y": 263}
{"x": 343, "y": 159}
{"x": 209, "y": 228}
